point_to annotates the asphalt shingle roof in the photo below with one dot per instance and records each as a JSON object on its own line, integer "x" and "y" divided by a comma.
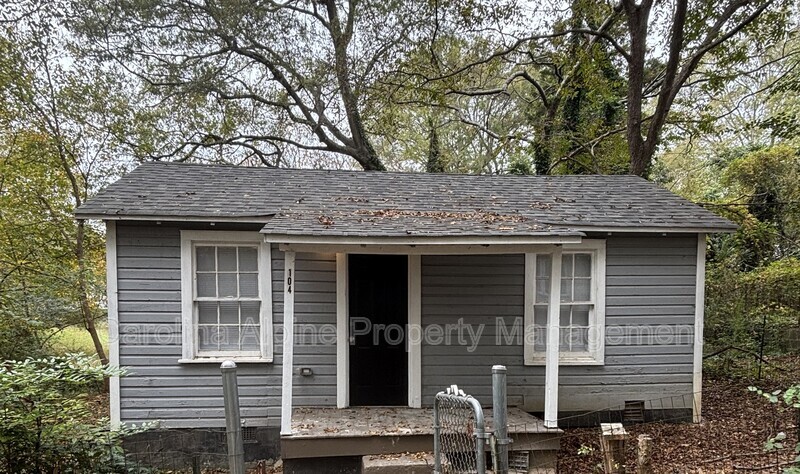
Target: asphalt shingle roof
{"x": 358, "y": 203}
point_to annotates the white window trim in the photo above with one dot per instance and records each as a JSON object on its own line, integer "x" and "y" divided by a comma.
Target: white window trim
{"x": 191, "y": 238}
{"x": 596, "y": 355}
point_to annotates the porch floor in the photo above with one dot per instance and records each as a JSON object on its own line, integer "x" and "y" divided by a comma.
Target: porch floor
{"x": 326, "y": 431}
{"x": 326, "y": 422}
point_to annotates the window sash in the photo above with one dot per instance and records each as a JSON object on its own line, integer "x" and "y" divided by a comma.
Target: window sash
{"x": 250, "y": 323}
{"x": 537, "y": 288}
{"x": 219, "y": 327}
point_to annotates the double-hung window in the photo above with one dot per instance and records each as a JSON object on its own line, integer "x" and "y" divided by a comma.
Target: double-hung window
{"x": 581, "y": 319}
{"x": 226, "y": 297}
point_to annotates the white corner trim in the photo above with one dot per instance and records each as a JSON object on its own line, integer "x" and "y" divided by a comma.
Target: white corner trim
{"x": 187, "y": 290}
{"x": 551, "y": 356}
{"x": 699, "y": 316}
{"x": 288, "y": 343}
{"x": 189, "y": 238}
{"x": 342, "y": 333}
{"x": 113, "y": 321}
{"x": 414, "y": 335}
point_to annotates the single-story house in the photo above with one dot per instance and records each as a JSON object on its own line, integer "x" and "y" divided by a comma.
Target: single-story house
{"x": 346, "y": 289}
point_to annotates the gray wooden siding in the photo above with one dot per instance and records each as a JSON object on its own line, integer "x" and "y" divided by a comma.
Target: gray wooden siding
{"x": 649, "y": 298}
{"x": 650, "y": 281}
{"x": 190, "y": 395}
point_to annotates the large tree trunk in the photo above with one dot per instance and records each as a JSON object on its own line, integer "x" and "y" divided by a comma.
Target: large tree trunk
{"x": 365, "y": 153}
{"x": 637, "y": 17}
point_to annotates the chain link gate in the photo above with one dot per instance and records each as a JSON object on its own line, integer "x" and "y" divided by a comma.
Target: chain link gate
{"x": 459, "y": 433}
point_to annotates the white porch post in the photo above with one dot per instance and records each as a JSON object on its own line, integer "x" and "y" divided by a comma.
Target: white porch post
{"x": 288, "y": 343}
{"x": 551, "y": 357}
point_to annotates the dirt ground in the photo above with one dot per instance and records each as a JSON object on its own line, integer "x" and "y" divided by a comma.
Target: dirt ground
{"x": 731, "y": 438}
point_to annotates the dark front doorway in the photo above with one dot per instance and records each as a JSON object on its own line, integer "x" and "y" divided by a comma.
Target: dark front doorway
{"x": 378, "y": 289}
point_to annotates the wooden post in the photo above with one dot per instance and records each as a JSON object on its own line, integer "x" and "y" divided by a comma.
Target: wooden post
{"x": 288, "y": 343}
{"x": 553, "y": 339}
{"x": 643, "y": 454}
{"x": 612, "y": 441}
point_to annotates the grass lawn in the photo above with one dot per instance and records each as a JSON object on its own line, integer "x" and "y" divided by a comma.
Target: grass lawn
{"x": 77, "y": 339}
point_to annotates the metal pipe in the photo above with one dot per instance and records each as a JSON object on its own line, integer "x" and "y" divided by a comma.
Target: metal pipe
{"x": 233, "y": 424}
{"x": 480, "y": 435}
{"x": 437, "y": 433}
{"x": 500, "y": 418}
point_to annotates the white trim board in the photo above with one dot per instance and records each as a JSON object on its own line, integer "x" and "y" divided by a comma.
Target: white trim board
{"x": 699, "y": 316}
{"x": 398, "y": 249}
{"x": 113, "y": 322}
{"x": 359, "y": 241}
{"x": 414, "y": 327}
{"x": 342, "y": 341}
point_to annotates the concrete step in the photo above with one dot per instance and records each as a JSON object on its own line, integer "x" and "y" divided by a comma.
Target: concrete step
{"x": 406, "y": 463}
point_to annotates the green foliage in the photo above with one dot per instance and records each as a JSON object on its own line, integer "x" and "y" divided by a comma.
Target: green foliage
{"x": 790, "y": 398}
{"x": 46, "y": 424}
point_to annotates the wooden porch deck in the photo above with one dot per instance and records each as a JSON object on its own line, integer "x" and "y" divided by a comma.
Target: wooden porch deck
{"x": 360, "y": 431}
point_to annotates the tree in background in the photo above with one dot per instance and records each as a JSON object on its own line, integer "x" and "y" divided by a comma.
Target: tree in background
{"x": 58, "y": 144}
{"x": 601, "y": 80}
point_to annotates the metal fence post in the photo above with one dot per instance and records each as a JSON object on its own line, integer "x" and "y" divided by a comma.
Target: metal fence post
{"x": 500, "y": 417}
{"x": 437, "y": 433}
{"x": 233, "y": 425}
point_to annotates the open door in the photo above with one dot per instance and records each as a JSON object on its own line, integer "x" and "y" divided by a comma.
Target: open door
{"x": 378, "y": 289}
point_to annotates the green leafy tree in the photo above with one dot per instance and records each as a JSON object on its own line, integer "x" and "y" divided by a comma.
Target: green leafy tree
{"x": 65, "y": 125}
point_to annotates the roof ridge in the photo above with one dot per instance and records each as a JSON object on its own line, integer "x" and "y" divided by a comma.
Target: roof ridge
{"x": 393, "y": 172}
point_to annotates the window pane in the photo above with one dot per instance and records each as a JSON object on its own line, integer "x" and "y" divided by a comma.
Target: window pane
{"x": 226, "y": 259}
{"x": 208, "y": 338}
{"x": 566, "y": 265}
{"x": 563, "y": 319}
{"x": 206, "y": 284}
{"x": 248, "y": 284}
{"x": 566, "y": 290}
{"x": 228, "y": 312}
{"x": 250, "y": 338}
{"x": 540, "y": 315}
{"x": 580, "y": 315}
{"x": 563, "y": 336}
{"x": 540, "y": 339}
{"x": 250, "y": 312}
{"x": 229, "y": 338}
{"x": 543, "y": 266}
{"x": 227, "y": 284}
{"x": 207, "y": 312}
{"x": 582, "y": 289}
{"x": 583, "y": 265}
{"x": 542, "y": 290}
{"x": 248, "y": 259}
{"x": 205, "y": 259}
{"x": 579, "y": 340}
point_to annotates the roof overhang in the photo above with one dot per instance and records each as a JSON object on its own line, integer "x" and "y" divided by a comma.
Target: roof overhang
{"x": 656, "y": 230}
{"x": 441, "y": 245}
{"x": 152, "y": 218}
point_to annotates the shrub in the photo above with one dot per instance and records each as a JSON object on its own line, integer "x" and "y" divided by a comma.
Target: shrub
{"x": 744, "y": 308}
{"x": 46, "y": 424}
